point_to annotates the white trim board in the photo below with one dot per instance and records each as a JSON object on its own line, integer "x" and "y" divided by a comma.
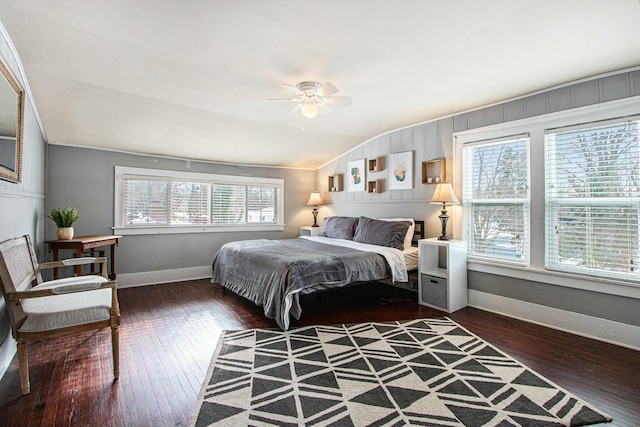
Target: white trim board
{"x": 130, "y": 280}
{"x": 609, "y": 331}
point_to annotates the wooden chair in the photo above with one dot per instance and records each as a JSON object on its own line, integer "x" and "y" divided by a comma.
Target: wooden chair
{"x": 40, "y": 310}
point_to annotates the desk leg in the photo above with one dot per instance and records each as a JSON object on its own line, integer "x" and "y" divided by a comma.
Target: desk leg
{"x": 92, "y": 254}
{"x": 56, "y": 272}
{"x": 78, "y": 267}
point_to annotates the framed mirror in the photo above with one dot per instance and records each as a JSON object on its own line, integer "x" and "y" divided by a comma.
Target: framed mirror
{"x": 11, "y": 125}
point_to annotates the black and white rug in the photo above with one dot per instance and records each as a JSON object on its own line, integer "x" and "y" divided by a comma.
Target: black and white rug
{"x": 429, "y": 372}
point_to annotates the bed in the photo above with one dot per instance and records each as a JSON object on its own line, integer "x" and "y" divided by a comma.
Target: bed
{"x": 275, "y": 273}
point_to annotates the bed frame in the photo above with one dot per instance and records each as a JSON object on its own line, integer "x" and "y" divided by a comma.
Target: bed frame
{"x": 418, "y": 233}
{"x": 412, "y": 283}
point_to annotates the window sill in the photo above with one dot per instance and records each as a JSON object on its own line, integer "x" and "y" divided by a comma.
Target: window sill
{"x": 140, "y": 230}
{"x": 594, "y": 284}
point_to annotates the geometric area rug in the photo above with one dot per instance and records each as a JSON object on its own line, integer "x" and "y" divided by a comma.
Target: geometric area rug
{"x": 427, "y": 372}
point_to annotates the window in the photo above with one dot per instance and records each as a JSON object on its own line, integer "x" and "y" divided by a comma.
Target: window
{"x": 579, "y": 224}
{"x": 164, "y": 201}
{"x": 496, "y": 199}
{"x": 593, "y": 199}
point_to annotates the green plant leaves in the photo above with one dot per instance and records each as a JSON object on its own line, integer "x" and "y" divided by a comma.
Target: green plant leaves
{"x": 64, "y": 217}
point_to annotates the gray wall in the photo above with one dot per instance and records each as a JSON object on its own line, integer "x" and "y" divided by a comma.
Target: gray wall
{"x": 435, "y": 140}
{"x": 22, "y": 204}
{"x": 84, "y": 178}
{"x": 427, "y": 141}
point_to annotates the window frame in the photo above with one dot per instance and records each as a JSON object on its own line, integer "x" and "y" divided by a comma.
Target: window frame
{"x": 536, "y": 127}
{"x": 555, "y": 203}
{"x": 120, "y": 172}
{"x": 525, "y": 202}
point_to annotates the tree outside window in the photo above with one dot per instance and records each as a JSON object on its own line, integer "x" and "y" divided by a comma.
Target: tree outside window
{"x": 593, "y": 196}
{"x": 496, "y": 199}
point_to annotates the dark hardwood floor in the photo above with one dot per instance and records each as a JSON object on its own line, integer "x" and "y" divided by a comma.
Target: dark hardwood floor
{"x": 169, "y": 332}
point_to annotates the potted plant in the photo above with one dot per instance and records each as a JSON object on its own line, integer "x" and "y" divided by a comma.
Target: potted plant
{"x": 64, "y": 219}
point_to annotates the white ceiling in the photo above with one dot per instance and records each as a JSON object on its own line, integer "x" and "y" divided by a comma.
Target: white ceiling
{"x": 191, "y": 79}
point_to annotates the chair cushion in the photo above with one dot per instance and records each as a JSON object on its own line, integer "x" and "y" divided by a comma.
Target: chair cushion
{"x": 65, "y": 310}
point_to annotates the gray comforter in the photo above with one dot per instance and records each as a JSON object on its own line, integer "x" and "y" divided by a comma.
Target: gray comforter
{"x": 273, "y": 273}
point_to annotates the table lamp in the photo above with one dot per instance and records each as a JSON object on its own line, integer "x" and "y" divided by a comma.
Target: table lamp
{"x": 444, "y": 194}
{"x": 315, "y": 200}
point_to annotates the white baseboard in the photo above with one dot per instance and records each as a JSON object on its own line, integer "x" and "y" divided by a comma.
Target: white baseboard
{"x": 7, "y": 351}
{"x": 128, "y": 280}
{"x": 618, "y": 333}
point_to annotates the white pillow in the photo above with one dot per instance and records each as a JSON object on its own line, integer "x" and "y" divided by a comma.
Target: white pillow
{"x": 408, "y": 238}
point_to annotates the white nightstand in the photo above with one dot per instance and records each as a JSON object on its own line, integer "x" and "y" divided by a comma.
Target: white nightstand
{"x": 442, "y": 274}
{"x": 309, "y": 231}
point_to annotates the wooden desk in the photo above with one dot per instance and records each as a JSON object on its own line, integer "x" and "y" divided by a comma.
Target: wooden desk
{"x": 82, "y": 244}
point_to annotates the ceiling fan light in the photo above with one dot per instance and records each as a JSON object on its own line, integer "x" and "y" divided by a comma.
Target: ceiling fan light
{"x": 310, "y": 110}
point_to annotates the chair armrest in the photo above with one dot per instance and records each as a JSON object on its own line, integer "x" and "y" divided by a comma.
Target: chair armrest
{"x": 72, "y": 261}
{"x": 75, "y": 287}
{"x": 60, "y": 290}
{"x": 76, "y": 262}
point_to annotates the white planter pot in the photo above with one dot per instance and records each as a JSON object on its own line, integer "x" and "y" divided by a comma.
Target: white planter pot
{"x": 65, "y": 233}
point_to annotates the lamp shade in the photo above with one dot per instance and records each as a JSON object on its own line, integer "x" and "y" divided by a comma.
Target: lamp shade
{"x": 315, "y": 199}
{"x": 444, "y": 194}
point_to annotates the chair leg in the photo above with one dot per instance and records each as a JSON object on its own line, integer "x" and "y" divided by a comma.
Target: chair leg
{"x": 23, "y": 363}
{"x": 115, "y": 348}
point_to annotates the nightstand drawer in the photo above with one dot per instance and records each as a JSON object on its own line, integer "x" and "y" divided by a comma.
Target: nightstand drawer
{"x": 434, "y": 291}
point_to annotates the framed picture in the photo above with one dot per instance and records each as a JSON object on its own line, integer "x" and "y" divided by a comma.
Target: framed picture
{"x": 356, "y": 173}
{"x": 401, "y": 171}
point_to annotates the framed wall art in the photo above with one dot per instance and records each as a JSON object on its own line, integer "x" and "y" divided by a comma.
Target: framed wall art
{"x": 356, "y": 174}
{"x": 11, "y": 125}
{"x": 401, "y": 171}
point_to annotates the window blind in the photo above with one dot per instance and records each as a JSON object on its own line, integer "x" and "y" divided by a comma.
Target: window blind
{"x": 496, "y": 199}
{"x": 593, "y": 199}
{"x": 144, "y": 202}
{"x": 163, "y": 201}
{"x": 262, "y": 203}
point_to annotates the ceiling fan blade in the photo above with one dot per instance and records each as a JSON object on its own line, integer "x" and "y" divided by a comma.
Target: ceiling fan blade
{"x": 292, "y": 89}
{"x": 338, "y": 101}
{"x": 327, "y": 90}
{"x": 285, "y": 99}
{"x": 295, "y": 109}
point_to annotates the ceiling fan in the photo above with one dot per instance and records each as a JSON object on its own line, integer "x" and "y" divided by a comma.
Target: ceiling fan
{"x": 312, "y": 97}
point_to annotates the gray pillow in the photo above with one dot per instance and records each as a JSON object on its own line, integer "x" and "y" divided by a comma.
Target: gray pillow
{"x": 339, "y": 227}
{"x": 381, "y": 233}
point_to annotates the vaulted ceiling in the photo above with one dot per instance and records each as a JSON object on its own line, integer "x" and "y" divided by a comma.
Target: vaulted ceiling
{"x": 191, "y": 79}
